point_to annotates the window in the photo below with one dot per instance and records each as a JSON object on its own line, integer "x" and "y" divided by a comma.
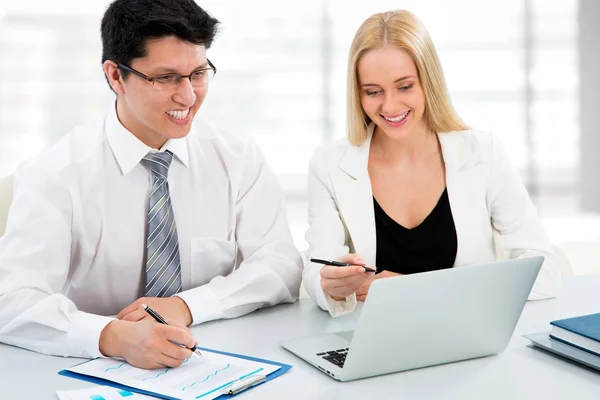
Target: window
{"x": 510, "y": 67}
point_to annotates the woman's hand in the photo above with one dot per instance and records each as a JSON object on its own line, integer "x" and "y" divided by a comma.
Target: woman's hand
{"x": 341, "y": 282}
{"x": 361, "y": 293}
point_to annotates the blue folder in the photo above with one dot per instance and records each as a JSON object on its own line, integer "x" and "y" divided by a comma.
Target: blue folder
{"x": 587, "y": 326}
{"x": 282, "y": 370}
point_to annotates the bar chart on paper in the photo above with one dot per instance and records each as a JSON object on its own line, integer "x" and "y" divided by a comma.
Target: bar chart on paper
{"x": 101, "y": 393}
{"x": 197, "y": 378}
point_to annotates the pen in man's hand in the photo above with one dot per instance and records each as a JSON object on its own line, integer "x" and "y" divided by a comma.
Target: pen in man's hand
{"x": 338, "y": 264}
{"x": 161, "y": 320}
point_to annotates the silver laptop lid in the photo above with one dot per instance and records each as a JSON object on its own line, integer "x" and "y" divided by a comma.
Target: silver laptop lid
{"x": 441, "y": 316}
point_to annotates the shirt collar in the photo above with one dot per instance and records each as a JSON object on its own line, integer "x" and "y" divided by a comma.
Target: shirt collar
{"x": 129, "y": 150}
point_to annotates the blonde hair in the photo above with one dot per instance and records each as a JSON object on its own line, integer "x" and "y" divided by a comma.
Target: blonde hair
{"x": 402, "y": 30}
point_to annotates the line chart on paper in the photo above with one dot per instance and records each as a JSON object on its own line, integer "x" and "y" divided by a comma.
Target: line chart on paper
{"x": 198, "y": 377}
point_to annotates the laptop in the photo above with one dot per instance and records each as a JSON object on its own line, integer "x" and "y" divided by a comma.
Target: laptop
{"x": 426, "y": 319}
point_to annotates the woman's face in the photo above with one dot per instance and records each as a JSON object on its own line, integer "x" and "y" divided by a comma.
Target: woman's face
{"x": 391, "y": 93}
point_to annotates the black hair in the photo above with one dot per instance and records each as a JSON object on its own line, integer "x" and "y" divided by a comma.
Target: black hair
{"x": 127, "y": 25}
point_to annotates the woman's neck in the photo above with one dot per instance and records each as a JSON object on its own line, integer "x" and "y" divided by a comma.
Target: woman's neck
{"x": 410, "y": 150}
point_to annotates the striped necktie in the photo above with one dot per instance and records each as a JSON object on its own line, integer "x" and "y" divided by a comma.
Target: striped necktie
{"x": 163, "y": 270}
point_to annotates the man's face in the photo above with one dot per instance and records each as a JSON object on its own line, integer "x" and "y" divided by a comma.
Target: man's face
{"x": 155, "y": 116}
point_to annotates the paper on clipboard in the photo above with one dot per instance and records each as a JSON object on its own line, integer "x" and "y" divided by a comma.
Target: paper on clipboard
{"x": 197, "y": 378}
{"x": 101, "y": 393}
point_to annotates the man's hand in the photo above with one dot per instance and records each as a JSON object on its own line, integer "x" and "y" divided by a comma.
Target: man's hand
{"x": 341, "y": 282}
{"x": 173, "y": 309}
{"x": 146, "y": 343}
{"x": 361, "y": 294}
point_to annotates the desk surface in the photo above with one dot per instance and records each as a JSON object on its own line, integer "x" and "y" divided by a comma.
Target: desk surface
{"x": 517, "y": 373}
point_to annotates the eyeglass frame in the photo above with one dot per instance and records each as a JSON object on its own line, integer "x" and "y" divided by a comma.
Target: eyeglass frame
{"x": 211, "y": 66}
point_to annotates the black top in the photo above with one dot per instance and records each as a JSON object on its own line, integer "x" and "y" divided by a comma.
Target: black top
{"x": 430, "y": 246}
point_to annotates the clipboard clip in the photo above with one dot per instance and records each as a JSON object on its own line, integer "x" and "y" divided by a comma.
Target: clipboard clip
{"x": 239, "y": 385}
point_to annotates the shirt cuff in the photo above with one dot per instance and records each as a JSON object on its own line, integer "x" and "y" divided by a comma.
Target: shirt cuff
{"x": 203, "y": 304}
{"x": 340, "y": 307}
{"x": 84, "y": 340}
{"x": 336, "y": 308}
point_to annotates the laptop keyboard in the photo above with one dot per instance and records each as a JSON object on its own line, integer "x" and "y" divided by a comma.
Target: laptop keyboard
{"x": 337, "y": 357}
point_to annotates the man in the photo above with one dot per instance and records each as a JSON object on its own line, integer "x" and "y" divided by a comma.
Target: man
{"x": 144, "y": 208}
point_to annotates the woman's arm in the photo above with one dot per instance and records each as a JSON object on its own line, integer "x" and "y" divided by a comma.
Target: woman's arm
{"x": 518, "y": 229}
{"x": 327, "y": 235}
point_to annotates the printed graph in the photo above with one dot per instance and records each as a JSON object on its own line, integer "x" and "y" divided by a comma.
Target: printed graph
{"x": 158, "y": 375}
{"x": 117, "y": 394}
{"x": 115, "y": 368}
{"x": 207, "y": 381}
{"x": 199, "y": 377}
{"x": 194, "y": 377}
{"x": 207, "y": 378}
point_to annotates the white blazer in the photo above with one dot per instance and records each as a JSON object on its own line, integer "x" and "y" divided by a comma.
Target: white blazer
{"x": 490, "y": 207}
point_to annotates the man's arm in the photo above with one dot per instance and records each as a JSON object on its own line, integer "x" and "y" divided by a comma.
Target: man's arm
{"x": 34, "y": 263}
{"x": 271, "y": 270}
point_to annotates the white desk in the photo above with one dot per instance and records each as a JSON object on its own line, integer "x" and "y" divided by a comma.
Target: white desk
{"x": 517, "y": 373}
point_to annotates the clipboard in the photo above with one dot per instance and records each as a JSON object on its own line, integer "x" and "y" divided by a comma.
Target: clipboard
{"x": 283, "y": 368}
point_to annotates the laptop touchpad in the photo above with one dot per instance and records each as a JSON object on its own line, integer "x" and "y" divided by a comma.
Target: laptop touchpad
{"x": 346, "y": 335}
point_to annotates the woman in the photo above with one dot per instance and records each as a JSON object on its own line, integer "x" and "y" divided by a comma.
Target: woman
{"x": 413, "y": 189}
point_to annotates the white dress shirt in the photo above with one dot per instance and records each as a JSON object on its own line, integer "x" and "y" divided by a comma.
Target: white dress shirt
{"x": 73, "y": 252}
{"x": 490, "y": 207}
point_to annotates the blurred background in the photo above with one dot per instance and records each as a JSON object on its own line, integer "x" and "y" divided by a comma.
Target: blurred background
{"x": 525, "y": 69}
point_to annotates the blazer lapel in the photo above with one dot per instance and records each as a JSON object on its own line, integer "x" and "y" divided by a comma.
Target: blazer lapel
{"x": 461, "y": 157}
{"x": 355, "y": 199}
{"x": 354, "y": 196}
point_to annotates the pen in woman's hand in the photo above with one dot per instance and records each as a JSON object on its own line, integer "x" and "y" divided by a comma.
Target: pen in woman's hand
{"x": 161, "y": 320}
{"x": 338, "y": 264}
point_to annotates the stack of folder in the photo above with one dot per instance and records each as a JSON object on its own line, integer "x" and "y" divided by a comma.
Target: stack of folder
{"x": 582, "y": 332}
{"x": 576, "y": 339}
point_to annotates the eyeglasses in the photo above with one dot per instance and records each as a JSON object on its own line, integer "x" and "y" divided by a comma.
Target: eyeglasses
{"x": 164, "y": 82}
